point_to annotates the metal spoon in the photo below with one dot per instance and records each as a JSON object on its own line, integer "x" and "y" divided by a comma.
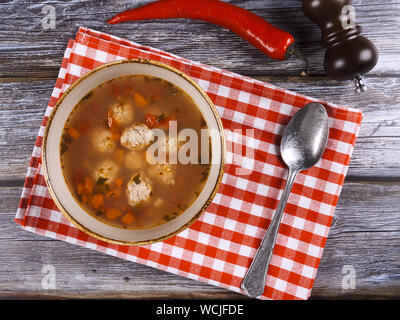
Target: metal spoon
{"x": 303, "y": 143}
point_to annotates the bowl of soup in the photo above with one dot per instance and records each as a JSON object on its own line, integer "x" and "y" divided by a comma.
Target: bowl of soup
{"x": 133, "y": 152}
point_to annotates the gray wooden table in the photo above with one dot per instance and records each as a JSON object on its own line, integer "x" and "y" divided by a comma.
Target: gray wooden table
{"x": 362, "y": 254}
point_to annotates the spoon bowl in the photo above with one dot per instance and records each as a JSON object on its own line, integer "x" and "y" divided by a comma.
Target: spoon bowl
{"x": 303, "y": 143}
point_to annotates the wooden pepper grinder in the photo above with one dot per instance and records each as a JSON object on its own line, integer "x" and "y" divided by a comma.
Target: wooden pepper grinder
{"x": 348, "y": 55}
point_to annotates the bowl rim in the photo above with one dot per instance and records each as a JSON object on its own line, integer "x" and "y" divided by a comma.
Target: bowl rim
{"x": 195, "y": 216}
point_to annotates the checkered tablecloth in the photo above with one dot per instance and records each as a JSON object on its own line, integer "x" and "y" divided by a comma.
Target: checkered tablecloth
{"x": 219, "y": 247}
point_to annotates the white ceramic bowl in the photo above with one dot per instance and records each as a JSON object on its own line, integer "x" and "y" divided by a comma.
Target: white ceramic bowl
{"x": 64, "y": 199}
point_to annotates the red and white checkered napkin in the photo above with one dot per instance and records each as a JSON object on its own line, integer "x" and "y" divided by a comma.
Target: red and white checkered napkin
{"x": 219, "y": 247}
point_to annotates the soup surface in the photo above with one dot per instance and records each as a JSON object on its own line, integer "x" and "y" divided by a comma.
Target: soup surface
{"x": 106, "y": 159}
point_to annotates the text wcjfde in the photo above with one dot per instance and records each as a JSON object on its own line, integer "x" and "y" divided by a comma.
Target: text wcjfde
{"x": 203, "y": 309}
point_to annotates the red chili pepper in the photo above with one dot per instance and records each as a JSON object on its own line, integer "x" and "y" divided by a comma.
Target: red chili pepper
{"x": 272, "y": 41}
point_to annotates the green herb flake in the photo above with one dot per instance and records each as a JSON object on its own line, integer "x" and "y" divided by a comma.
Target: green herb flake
{"x": 66, "y": 138}
{"x": 101, "y": 180}
{"x": 167, "y": 218}
{"x": 137, "y": 179}
{"x": 63, "y": 148}
{"x": 112, "y": 194}
{"x": 161, "y": 117}
{"x": 87, "y": 96}
{"x": 101, "y": 188}
{"x": 204, "y": 174}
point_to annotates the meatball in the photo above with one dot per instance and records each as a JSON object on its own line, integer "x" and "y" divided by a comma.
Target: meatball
{"x": 163, "y": 172}
{"x": 139, "y": 190}
{"x": 136, "y": 136}
{"x": 122, "y": 113}
{"x": 106, "y": 169}
{"x": 102, "y": 140}
{"x": 134, "y": 160}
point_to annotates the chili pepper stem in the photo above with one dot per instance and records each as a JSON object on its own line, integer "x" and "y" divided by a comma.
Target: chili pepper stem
{"x": 292, "y": 51}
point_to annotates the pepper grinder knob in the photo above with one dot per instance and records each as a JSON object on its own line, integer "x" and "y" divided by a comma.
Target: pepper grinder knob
{"x": 360, "y": 84}
{"x": 349, "y": 55}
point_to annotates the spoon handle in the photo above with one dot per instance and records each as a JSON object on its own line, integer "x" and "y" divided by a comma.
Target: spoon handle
{"x": 254, "y": 281}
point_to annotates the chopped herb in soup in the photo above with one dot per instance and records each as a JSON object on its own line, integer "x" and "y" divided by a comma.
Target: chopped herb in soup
{"x": 106, "y": 159}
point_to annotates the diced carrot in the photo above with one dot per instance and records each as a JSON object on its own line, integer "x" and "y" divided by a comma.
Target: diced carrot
{"x": 73, "y": 133}
{"x": 86, "y": 187}
{"x": 80, "y": 189}
{"x": 128, "y": 219}
{"x": 113, "y": 214}
{"x": 85, "y": 199}
{"x": 97, "y": 200}
{"x": 88, "y": 184}
{"x": 119, "y": 182}
{"x": 140, "y": 100}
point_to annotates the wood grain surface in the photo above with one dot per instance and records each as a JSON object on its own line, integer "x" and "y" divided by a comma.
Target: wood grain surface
{"x": 365, "y": 235}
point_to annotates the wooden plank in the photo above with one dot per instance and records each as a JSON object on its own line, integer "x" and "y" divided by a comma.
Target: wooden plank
{"x": 22, "y": 106}
{"x": 366, "y": 228}
{"x": 22, "y": 38}
{"x": 365, "y": 234}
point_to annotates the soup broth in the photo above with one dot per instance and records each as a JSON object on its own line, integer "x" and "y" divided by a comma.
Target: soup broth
{"x": 105, "y": 152}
